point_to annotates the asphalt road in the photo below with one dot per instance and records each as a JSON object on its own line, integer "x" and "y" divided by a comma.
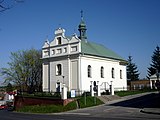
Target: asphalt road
{"x": 127, "y": 108}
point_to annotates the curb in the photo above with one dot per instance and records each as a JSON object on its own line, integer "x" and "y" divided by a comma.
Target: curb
{"x": 150, "y": 111}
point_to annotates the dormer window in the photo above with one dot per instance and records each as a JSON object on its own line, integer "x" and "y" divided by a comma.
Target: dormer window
{"x": 59, "y": 41}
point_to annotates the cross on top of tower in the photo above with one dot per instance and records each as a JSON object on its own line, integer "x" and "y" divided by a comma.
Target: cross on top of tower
{"x": 81, "y": 14}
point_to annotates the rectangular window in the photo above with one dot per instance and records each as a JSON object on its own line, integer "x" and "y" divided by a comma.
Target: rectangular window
{"x": 74, "y": 49}
{"x": 112, "y": 72}
{"x": 89, "y": 71}
{"x": 65, "y": 50}
{"x": 102, "y": 72}
{"x": 46, "y": 53}
{"x": 59, "y": 51}
{"x": 120, "y": 74}
{"x": 53, "y": 52}
{"x": 59, "y": 69}
{"x": 59, "y": 41}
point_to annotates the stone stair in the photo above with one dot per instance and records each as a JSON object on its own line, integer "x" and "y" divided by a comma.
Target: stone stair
{"x": 107, "y": 98}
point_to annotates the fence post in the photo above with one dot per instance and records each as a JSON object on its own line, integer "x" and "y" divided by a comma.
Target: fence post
{"x": 64, "y": 92}
{"x": 98, "y": 89}
{"x": 111, "y": 88}
{"x": 91, "y": 89}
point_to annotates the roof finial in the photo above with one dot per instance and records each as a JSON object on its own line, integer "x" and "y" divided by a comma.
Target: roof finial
{"x": 81, "y": 14}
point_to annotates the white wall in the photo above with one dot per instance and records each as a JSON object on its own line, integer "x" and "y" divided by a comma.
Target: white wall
{"x": 96, "y": 76}
{"x": 58, "y": 78}
{"x": 45, "y": 76}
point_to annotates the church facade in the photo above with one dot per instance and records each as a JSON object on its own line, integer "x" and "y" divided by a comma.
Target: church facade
{"x": 79, "y": 63}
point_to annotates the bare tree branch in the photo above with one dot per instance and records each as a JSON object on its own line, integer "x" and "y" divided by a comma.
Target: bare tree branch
{"x": 5, "y": 4}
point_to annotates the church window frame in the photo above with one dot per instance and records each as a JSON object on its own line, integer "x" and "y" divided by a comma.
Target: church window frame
{"x": 59, "y": 51}
{"x": 58, "y": 69}
{"x": 46, "y": 53}
{"x": 102, "y": 72}
{"x": 65, "y": 50}
{"x": 59, "y": 40}
{"x": 120, "y": 74}
{"x": 89, "y": 69}
{"x": 73, "y": 48}
{"x": 53, "y": 52}
{"x": 113, "y": 73}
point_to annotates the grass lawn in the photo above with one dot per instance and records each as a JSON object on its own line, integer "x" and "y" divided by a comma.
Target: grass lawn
{"x": 82, "y": 101}
{"x": 126, "y": 93}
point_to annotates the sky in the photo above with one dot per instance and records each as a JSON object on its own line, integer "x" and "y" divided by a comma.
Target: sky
{"x": 128, "y": 27}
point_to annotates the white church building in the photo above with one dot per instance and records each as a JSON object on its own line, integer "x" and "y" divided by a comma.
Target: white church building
{"x": 79, "y": 63}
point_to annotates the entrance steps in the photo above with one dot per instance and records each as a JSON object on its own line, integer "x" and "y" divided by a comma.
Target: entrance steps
{"x": 107, "y": 98}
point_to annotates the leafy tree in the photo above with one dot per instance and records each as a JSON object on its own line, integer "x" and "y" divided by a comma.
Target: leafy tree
{"x": 25, "y": 70}
{"x": 9, "y": 87}
{"x": 155, "y": 65}
{"x": 132, "y": 72}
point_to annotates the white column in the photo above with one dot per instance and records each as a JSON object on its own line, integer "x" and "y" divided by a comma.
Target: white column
{"x": 150, "y": 81}
{"x": 98, "y": 89}
{"x": 92, "y": 91}
{"x": 64, "y": 92}
{"x": 69, "y": 74}
{"x": 112, "y": 88}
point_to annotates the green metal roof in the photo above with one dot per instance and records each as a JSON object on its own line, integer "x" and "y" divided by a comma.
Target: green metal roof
{"x": 94, "y": 49}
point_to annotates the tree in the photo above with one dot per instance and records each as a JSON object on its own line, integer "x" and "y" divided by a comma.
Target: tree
{"x": 7, "y": 4}
{"x": 132, "y": 72}
{"x": 9, "y": 87}
{"x": 155, "y": 64}
{"x": 25, "y": 70}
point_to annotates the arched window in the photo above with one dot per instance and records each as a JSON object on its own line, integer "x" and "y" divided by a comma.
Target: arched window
{"x": 59, "y": 69}
{"x": 102, "y": 72}
{"x": 120, "y": 74}
{"x": 89, "y": 71}
{"x": 112, "y": 72}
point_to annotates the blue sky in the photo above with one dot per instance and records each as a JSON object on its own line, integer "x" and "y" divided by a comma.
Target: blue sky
{"x": 128, "y": 27}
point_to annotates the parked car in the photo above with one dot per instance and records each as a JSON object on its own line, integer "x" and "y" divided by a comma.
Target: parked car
{"x": 3, "y": 107}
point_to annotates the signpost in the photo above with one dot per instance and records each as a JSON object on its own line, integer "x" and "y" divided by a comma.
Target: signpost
{"x": 73, "y": 93}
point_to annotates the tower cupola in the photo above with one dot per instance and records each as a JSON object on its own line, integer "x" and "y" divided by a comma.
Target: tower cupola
{"x": 82, "y": 28}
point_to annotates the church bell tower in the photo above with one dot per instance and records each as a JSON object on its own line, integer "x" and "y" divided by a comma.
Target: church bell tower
{"x": 82, "y": 28}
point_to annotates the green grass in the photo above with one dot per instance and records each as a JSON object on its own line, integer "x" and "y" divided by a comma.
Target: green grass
{"x": 48, "y": 108}
{"x": 126, "y": 93}
{"x": 88, "y": 102}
